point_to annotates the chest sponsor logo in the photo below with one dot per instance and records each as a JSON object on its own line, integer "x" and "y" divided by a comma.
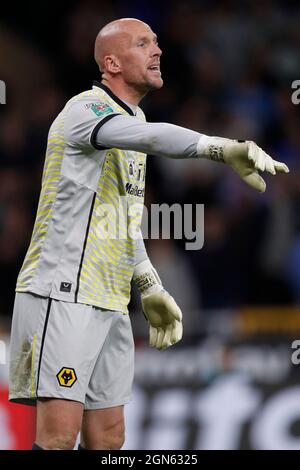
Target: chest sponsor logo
{"x": 134, "y": 190}
{"x": 131, "y": 167}
{"x": 136, "y": 170}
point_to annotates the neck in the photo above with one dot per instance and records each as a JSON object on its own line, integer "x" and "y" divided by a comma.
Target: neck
{"x": 124, "y": 91}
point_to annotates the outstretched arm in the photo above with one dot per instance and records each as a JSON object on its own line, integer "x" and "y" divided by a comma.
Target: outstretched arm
{"x": 168, "y": 140}
{"x": 156, "y": 138}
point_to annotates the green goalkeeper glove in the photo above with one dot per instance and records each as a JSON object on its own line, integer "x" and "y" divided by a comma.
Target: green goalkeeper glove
{"x": 245, "y": 157}
{"x": 160, "y": 309}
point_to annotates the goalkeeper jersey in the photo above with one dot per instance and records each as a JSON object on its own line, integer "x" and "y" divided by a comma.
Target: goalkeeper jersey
{"x": 82, "y": 248}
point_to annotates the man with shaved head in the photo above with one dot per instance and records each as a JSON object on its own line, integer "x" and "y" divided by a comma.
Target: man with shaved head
{"x": 72, "y": 349}
{"x": 128, "y": 56}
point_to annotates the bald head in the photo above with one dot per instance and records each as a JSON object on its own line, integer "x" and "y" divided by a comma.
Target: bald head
{"x": 115, "y": 37}
{"x": 128, "y": 56}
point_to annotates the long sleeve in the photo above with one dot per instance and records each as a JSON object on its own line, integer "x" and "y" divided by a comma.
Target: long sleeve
{"x": 161, "y": 139}
{"x": 140, "y": 250}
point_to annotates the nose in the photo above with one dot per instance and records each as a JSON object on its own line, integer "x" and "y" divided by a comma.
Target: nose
{"x": 157, "y": 51}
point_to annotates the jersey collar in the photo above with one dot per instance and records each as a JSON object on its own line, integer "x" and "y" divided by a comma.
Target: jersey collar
{"x": 114, "y": 97}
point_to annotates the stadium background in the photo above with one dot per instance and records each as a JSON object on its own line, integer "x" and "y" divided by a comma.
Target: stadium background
{"x": 228, "y": 68}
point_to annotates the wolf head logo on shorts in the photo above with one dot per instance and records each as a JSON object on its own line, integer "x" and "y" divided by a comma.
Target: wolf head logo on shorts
{"x": 66, "y": 377}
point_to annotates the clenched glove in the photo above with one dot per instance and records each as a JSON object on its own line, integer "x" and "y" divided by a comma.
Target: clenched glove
{"x": 160, "y": 309}
{"x": 245, "y": 157}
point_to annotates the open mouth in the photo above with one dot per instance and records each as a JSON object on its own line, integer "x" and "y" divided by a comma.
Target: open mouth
{"x": 155, "y": 68}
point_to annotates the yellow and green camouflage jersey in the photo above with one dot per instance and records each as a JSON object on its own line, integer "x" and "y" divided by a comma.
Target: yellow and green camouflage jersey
{"x": 82, "y": 247}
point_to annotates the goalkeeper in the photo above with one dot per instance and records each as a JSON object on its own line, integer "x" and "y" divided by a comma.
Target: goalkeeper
{"x": 71, "y": 341}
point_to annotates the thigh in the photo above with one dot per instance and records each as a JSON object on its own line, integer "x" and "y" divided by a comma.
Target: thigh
{"x": 102, "y": 426}
{"x": 58, "y": 423}
{"x": 54, "y": 347}
{"x": 28, "y": 317}
{"x": 71, "y": 342}
{"x": 111, "y": 381}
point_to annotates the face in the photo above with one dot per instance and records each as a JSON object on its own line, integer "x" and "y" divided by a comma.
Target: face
{"x": 140, "y": 59}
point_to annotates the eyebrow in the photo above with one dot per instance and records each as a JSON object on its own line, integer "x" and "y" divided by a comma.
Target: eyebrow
{"x": 146, "y": 38}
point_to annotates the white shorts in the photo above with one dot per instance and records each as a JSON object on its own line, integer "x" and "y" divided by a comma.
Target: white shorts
{"x": 70, "y": 351}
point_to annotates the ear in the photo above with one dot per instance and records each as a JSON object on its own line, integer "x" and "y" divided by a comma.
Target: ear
{"x": 112, "y": 64}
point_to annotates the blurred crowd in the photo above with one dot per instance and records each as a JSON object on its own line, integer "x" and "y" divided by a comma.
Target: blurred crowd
{"x": 228, "y": 69}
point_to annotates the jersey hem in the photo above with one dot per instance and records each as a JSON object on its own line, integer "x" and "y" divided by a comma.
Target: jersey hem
{"x": 70, "y": 298}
